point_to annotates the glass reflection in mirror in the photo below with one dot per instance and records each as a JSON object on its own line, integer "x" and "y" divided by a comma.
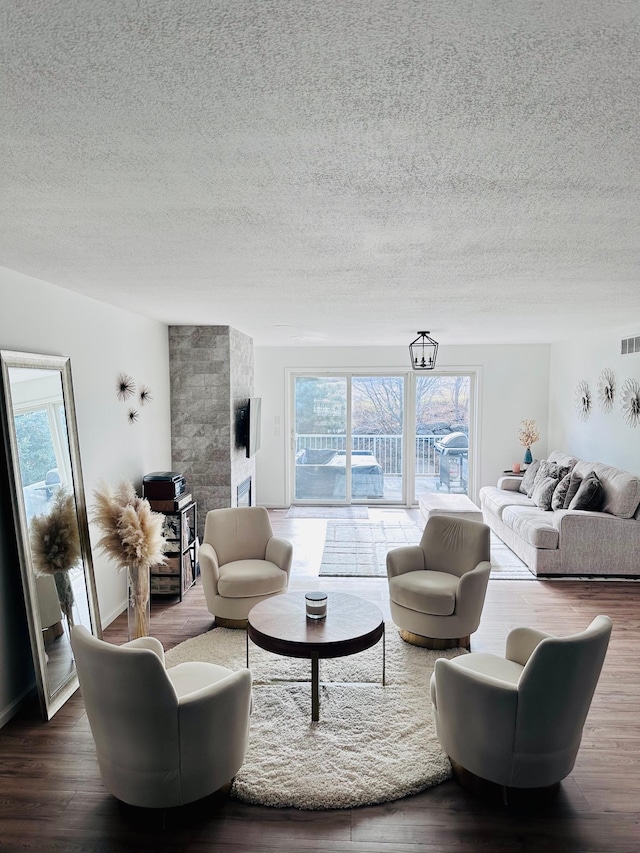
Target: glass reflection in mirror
{"x": 50, "y": 513}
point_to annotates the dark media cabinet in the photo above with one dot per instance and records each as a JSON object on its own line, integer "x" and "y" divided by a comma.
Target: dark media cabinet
{"x": 179, "y": 572}
{"x": 167, "y": 494}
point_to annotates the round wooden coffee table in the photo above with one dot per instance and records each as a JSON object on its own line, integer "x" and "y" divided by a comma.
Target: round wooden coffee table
{"x": 280, "y": 625}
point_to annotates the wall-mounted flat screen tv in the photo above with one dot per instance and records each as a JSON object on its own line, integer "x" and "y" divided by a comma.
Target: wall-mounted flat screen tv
{"x": 253, "y": 425}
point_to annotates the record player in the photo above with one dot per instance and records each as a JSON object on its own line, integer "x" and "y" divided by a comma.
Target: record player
{"x": 163, "y": 485}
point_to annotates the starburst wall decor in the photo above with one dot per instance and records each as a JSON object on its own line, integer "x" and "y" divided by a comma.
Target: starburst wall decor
{"x": 606, "y": 389}
{"x": 583, "y": 400}
{"x": 630, "y": 395}
{"x": 145, "y": 396}
{"x": 126, "y": 387}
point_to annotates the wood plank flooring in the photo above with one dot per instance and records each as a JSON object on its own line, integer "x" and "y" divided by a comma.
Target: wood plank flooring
{"x": 52, "y": 799}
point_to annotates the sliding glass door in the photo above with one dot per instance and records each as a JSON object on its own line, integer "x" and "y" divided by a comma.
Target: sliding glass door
{"x": 348, "y": 438}
{"x": 364, "y": 438}
{"x": 377, "y": 420}
{"x": 320, "y": 436}
{"x": 442, "y": 423}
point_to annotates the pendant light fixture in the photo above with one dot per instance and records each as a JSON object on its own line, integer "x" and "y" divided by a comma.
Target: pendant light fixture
{"x": 423, "y": 352}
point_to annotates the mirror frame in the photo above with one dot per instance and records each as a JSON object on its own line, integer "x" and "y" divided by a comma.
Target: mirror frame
{"x": 62, "y": 364}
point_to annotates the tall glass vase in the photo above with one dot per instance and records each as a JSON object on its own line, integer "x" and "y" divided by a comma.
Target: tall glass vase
{"x": 139, "y": 604}
{"x": 528, "y": 458}
{"x": 65, "y": 595}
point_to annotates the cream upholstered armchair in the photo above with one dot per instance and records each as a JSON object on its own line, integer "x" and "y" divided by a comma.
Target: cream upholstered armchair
{"x": 437, "y": 588}
{"x": 517, "y": 721}
{"x": 164, "y": 737}
{"x": 241, "y": 562}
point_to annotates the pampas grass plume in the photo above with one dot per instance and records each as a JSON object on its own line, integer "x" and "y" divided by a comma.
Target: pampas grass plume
{"x": 131, "y": 532}
{"x": 55, "y": 540}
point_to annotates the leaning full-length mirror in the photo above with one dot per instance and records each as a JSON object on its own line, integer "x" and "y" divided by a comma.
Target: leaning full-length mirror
{"x": 41, "y": 441}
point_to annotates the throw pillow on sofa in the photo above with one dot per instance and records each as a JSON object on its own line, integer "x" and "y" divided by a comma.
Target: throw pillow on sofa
{"x": 590, "y": 495}
{"x": 574, "y": 485}
{"x": 543, "y": 492}
{"x": 551, "y": 469}
{"x": 545, "y": 469}
{"x": 560, "y": 492}
{"x": 526, "y": 484}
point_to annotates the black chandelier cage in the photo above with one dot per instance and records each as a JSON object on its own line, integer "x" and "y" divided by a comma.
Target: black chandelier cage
{"x": 423, "y": 352}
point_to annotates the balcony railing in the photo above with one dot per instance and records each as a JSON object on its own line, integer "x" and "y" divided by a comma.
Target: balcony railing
{"x": 387, "y": 449}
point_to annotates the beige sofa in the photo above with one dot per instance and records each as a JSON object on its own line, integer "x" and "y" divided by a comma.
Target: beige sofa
{"x": 570, "y": 541}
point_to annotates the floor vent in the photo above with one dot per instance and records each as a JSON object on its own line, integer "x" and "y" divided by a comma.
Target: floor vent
{"x": 629, "y": 345}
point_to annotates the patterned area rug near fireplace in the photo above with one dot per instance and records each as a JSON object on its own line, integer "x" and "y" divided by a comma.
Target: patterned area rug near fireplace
{"x": 359, "y": 549}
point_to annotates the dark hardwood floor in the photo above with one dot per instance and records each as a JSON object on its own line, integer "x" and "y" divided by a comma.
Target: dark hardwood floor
{"x": 52, "y": 799}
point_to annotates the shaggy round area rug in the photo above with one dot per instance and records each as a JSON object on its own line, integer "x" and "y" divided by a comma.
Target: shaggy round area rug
{"x": 372, "y": 744}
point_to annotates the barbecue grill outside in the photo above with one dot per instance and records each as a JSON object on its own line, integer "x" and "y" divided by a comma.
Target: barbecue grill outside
{"x": 453, "y": 450}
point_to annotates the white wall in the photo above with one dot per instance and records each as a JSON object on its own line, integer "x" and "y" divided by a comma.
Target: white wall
{"x": 101, "y": 341}
{"x": 513, "y": 386}
{"x": 603, "y": 437}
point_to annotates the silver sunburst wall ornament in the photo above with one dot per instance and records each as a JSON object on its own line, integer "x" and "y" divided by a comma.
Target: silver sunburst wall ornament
{"x": 132, "y": 416}
{"x": 606, "y": 389}
{"x": 583, "y": 400}
{"x": 630, "y": 395}
{"x": 126, "y": 386}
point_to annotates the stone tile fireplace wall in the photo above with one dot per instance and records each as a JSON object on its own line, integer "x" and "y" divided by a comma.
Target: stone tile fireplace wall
{"x": 211, "y": 371}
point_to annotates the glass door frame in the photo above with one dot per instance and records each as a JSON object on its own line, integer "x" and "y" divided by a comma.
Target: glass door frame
{"x": 408, "y": 429}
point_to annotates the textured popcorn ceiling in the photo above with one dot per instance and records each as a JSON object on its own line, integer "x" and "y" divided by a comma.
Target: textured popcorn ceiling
{"x": 344, "y": 171}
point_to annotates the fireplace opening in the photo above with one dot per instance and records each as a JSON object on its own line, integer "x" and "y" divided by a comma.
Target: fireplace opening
{"x": 244, "y": 493}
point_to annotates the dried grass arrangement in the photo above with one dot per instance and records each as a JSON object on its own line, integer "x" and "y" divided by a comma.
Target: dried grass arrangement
{"x": 55, "y": 547}
{"x": 132, "y": 537}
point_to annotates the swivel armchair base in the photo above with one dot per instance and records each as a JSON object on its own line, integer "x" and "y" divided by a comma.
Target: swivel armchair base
{"x": 221, "y": 622}
{"x": 518, "y": 798}
{"x": 435, "y": 643}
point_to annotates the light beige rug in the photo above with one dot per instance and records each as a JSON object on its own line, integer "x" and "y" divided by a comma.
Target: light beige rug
{"x": 372, "y": 744}
{"x": 359, "y": 549}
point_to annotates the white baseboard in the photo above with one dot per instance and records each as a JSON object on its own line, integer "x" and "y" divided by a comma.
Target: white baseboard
{"x": 108, "y": 619}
